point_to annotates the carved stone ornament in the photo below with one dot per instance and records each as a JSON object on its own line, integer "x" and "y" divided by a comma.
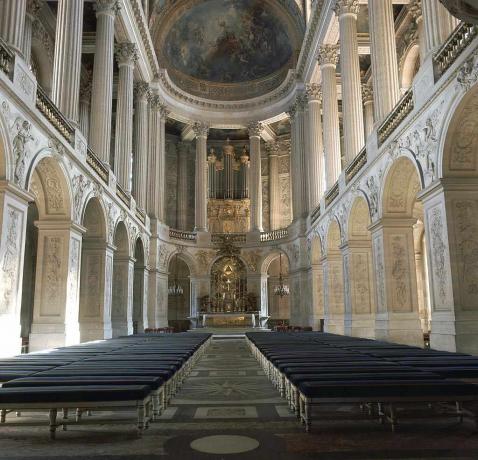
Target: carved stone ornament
{"x": 10, "y": 259}
{"x": 367, "y": 93}
{"x": 468, "y": 74}
{"x": 373, "y": 192}
{"x": 56, "y": 147}
{"x": 107, "y": 7}
{"x": 328, "y": 55}
{"x": 21, "y": 130}
{"x": 141, "y": 90}
{"x": 80, "y": 185}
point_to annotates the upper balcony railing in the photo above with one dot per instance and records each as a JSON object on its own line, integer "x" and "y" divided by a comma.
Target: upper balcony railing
{"x": 182, "y": 235}
{"x": 6, "y": 58}
{"x": 356, "y": 165}
{"x": 332, "y": 194}
{"x": 453, "y": 47}
{"x": 96, "y": 164}
{"x": 123, "y": 196}
{"x": 274, "y": 235}
{"x": 217, "y": 238}
{"x": 404, "y": 106}
{"x": 53, "y": 115}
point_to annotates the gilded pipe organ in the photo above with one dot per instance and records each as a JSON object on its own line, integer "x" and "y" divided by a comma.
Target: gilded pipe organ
{"x": 228, "y": 184}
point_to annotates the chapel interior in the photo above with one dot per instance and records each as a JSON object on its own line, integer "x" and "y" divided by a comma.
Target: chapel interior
{"x": 238, "y": 229}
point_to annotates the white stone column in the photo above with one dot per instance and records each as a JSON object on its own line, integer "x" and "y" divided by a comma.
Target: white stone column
{"x": 274, "y": 193}
{"x": 33, "y": 7}
{"x": 201, "y": 131}
{"x": 438, "y": 24}
{"x": 85, "y": 107}
{"x": 415, "y": 10}
{"x": 141, "y": 144}
{"x": 156, "y": 163}
{"x": 182, "y": 208}
{"x": 328, "y": 59}
{"x": 12, "y": 23}
{"x": 102, "y": 90}
{"x": 126, "y": 55}
{"x": 56, "y": 309}
{"x": 67, "y": 62}
{"x": 352, "y": 109}
{"x": 13, "y": 222}
{"x": 386, "y": 88}
{"x": 315, "y": 155}
{"x": 367, "y": 98}
{"x": 140, "y": 298}
{"x": 96, "y": 291}
{"x": 255, "y": 185}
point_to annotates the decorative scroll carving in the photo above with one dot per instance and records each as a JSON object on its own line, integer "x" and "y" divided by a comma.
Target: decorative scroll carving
{"x": 400, "y": 273}
{"x": 438, "y": 253}
{"x": 23, "y": 135}
{"x": 10, "y": 260}
{"x": 80, "y": 184}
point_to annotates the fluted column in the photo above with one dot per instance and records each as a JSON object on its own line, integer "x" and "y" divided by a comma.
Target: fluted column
{"x": 182, "y": 208}
{"x": 156, "y": 161}
{"x": 386, "y": 89}
{"x": 438, "y": 24}
{"x": 315, "y": 154}
{"x": 126, "y": 55}
{"x": 102, "y": 90}
{"x": 33, "y": 7}
{"x": 67, "y": 62}
{"x": 201, "y": 131}
{"x": 415, "y": 10}
{"x": 274, "y": 192}
{"x": 328, "y": 59}
{"x": 141, "y": 143}
{"x": 352, "y": 110}
{"x": 255, "y": 130}
{"x": 12, "y": 23}
{"x": 85, "y": 103}
{"x": 367, "y": 97}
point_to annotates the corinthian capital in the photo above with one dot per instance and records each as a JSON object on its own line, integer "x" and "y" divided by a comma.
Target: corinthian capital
{"x": 415, "y": 9}
{"x": 107, "y": 7}
{"x": 328, "y": 55}
{"x": 346, "y": 7}
{"x": 141, "y": 90}
{"x": 157, "y": 105}
{"x": 126, "y": 53}
{"x": 272, "y": 148}
{"x": 33, "y": 7}
{"x": 314, "y": 92}
{"x": 255, "y": 129}
{"x": 367, "y": 93}
{"x": 201, "y": 129}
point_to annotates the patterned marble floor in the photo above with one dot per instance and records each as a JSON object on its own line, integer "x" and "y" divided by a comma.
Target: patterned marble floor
{"x": 228, "y": 409}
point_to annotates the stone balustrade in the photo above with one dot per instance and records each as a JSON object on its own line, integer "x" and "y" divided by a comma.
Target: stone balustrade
{"x": 182, "y": 235}
{"x": 274, "y": 235}
{"x": 6, "y": 58}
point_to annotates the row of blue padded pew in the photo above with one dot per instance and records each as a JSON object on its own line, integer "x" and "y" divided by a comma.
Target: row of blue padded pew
{"x": 140, "y": 372}
{"x": 317, "y": 370}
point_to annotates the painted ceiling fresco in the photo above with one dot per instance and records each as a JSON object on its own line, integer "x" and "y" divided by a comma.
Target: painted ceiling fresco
{"x": 228, "y": 41}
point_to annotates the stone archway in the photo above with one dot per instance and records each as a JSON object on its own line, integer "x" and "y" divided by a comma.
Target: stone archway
{"x": 451, "y": 221}
{"x": 397, "y": 317}
{"x": 96, "y": 273}
{"x": 278, "y": 307}
{"x": 56, "y": 297}
{"x": 334, "y": 300}
{"x": 358, "y": 262}
{"x": 123, "y": 274}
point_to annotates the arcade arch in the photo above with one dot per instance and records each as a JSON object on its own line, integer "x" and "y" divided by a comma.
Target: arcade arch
{"x": 179, "y": 306}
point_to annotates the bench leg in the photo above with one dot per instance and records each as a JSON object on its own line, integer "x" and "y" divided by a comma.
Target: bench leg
{"x": 141, "y": 419}
{"x": 65, "y": 417}
{"x": 459, "y": 411}
{"x": 18, "y": 414}
{"x": 79, "y": 412}
{"x": 3, "y": 415}
{"x": 307, "y": 414}
{"x": 52, "y": 415}
{"x": 393, "y": 419}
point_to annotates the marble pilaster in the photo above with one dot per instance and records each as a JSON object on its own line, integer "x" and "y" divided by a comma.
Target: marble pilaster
{"x": 255, "y": 130}
{"x": 32, "y": 9}
{"x": 126, "y": 55}
{"x": 386, "y": 88}
{"x": 328, "y": 60}
{"x": 85, "y": 108}
{"x": 182, "y": 194}
{"x": 122, "y": 305}
{"x": 367, "y": 98}
{"x": 102, "y": 88}
{"x": 352, "y": 110}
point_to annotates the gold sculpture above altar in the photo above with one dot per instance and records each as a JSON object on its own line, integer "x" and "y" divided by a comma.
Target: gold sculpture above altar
{"x": 228, "y": 216}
